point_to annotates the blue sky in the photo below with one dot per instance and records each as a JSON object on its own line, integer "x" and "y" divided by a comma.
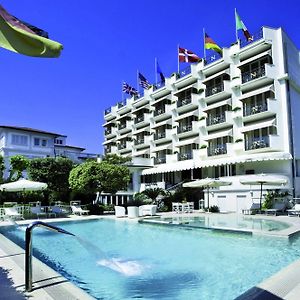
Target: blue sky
{"x": 106, "y": 42}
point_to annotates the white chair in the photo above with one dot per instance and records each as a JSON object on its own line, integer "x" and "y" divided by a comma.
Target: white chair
{"x": 120, "y": 211}
{"x": 77, "y": 210}
{"x": 12, "y": 213}
{"x": 147, "y": 210}
{"x": 176, "y": 207}
{"x": 133, "y": 212}
{"x": 294, "y": 211}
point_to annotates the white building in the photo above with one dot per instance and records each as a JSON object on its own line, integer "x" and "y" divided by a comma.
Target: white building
{"x": 35, "y": 143}
{"x": 223, "y": 117}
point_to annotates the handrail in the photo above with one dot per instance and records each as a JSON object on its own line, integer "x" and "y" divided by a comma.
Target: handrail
{"x": 28, "y": 249}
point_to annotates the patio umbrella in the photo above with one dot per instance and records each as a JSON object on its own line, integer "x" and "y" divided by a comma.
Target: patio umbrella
{"x": 22, "y": 185}
{"x": 261, "y": 179}
{"x": 206, "y": 183}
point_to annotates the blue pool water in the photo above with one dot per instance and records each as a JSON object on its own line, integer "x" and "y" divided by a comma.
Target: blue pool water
{"x": 116, "y": 260}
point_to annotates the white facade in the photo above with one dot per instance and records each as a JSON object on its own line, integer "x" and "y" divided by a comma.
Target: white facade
{"x": 224, "y": 117}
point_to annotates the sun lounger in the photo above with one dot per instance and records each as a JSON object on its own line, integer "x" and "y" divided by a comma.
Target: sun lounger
{"x": 148, "y": 209}
{"x": 77, "y": 210}
{"x": 38, "y": 212}
{"x": 294, "y": 211}
{"x": 120, "y": 211}
{"x": 254, "y": 208}
{"x": 59, "y": 211}
{"x": 12, "y": 213}
{"x": 278, "y": 207}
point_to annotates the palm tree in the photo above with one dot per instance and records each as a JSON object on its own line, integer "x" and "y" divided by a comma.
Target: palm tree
{"x": 153, "y": 193}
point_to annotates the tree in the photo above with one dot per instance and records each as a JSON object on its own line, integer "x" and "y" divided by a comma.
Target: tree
{"x": 54, "y": 171}
{"x": 18, "y": 163}
{"x": 115, "y": 159}
{"x": 92, "y": 177}
{"x": 2, "y": 168}
{"x": 153, "y": 193}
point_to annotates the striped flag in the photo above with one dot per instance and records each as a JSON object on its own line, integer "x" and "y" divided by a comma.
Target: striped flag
{"x": 187, "y": 55}
{"x": 239, "y": 25}
{"x": 129, "y": 89}
{"x": 211, "y": 44}
{"x": 144, "y": 82}
{"x": 23, "y": 38}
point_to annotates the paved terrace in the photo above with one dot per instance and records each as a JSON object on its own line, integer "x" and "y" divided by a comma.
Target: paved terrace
{"x": 48, "y": 284}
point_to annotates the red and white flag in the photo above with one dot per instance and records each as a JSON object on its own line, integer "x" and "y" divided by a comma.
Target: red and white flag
{"x": 187, "y": 55}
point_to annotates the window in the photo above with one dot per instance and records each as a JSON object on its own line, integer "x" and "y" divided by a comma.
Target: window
{"x": 40, "y": 142}
{"x": 36, "y": 142}
{"x": 58, "y": 141}
{"x": 21, "y": 140}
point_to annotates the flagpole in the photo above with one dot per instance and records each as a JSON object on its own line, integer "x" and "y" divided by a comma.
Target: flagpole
{"x": 122, "y": 90}
{"x": 236, "y": 33}
{"x": 204, "y": 52}
{"x": 137, "y": 81}
{"x": 178, "y": 58}
{"x": 155, "y": 67}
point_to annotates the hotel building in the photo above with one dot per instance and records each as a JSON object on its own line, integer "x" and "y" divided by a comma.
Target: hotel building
{"x": 224, "y": 117}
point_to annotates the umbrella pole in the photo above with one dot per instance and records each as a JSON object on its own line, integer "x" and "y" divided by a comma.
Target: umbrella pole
{"x": 261, "y": 184}
{"x": 207, "y": 199}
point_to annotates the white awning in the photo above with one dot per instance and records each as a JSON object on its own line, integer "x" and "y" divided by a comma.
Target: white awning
{"x": 227, "y": 71}
{"x": 144, "y": 129}
{"x": 253, "y": 58}
{"x": 218, "y": 104}
{"x": 189, "y": 114}
{"x": 162, "y": 123}
{"x": 258, "y": 125}
{"x": 187, "y": 142}
{"x": 218, "y": 135}
{"x": 170, "y": 167}
{"x": 141, "y": 152}
{"x": 163, "y": 147}
{"x": 257, "y": 92}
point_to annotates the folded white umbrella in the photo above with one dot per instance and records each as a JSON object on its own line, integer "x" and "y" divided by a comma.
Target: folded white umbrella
{"x": 23, "y": 185}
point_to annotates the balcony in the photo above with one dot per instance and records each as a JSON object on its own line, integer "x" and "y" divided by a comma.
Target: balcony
{"x": 214, "y": 89}
{"x": 184, "y": 128}
{"x": 159, "y": 160}
{"x": 255, "y": 37}
{"x": 219, "y": 91}
{"x": 215, "y": 119}
{"x": 159, "y": 111}
{"x": 217, "y": 150}
{"x": 139, "y": 119}
{"x": 125, "y": 147}
{"x": 159, "y": 85}
{"x": 124, "y": 126}
{"x": 142, "y": 120}
{"x": 257, "y": 143}
{"x": 107, "y": 131}
{"x": 266, "y": 109}
{"x": 139, "y": 141}
{"x": 159, "y": 135}
{"x": 121, "y": 104}
{"x": 185, "y": 156}
{"x": 107, "y": 111}
{"x": 219, "y": 121}
{"x": 253, "y": 74}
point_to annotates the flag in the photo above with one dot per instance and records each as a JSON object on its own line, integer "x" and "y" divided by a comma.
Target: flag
{"x": 239, "y": 25}
{"x": 187, "y": 55}
{"x": 159, "y": 72}
{"x": 23, "y": 38}
{"x": 129, "y": 89}
{"x": 210, "y": 44}
{"x": 143, "y": 82}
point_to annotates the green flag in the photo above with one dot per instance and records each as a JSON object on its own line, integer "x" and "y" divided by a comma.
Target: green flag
{"x": 18, "y": 37}
{"x": 239, "y": 25}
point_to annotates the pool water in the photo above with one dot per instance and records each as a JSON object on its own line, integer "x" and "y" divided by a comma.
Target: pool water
{"x": 118, "y": 260}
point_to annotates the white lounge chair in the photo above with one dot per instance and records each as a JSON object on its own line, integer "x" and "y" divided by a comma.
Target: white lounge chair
{"x": 57, "y": 210}
{"x": 294, "y": 211}
{"x": 77, "y": 210}
{"x": 147, "y": 210}
{"x": 252, "y": 209}
{"x": 120, "y": 211}
{"x": 12, "y": 213}
{"x": 278, "y": 207}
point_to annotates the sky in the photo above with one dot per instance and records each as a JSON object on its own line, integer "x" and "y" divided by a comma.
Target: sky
{"x": 105, "y": 43}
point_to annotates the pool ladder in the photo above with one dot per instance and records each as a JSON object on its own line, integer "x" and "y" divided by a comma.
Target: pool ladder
{"x": 28, "y": 249}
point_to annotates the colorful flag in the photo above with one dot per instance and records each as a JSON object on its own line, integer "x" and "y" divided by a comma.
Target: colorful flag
{"x": 239, "y": 25}
{"x": 25, "y": 39}
{"x": 187, "y": 55}
{"x": 144, "y": 82}
{"x": 129, "y": 89}
{"x": 159, "y": 72}
{"x": 210, "y": 44}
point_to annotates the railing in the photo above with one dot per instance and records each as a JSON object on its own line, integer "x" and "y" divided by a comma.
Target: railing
{"x": 255, "y": 109}
{"x": 159, "y": 111}
{"x": 215, "y": 119}
{"x": 184, "y": 128}
{"x": 122, "y": 146}
{"x": 107, "y": 111}
{"x": 185, "y": 71}
{"x": 257, "y": 36}
{"x": 185, "y": 156}
{"x": 121, "y": 103}
{"x": 211, "y": 90}
{"x": 257, "y": 143}
{"x": 185, "y": 101}
{"x": 140, "y": 95}
{"x": 217, "y": 150}
{"x": 159, "y": 135}
{"x": 139, "y": 142}
{"x": 107, "y": 131}
{"x": 160, "y": 85}
{"x": 159, "y": 160}
{"x": 139, "y": 119}
{"x": 122, "y": 126}
{"x": 88, "y": 156}
{"x": 211, "y": 59}
{"x": 254, "y": 74}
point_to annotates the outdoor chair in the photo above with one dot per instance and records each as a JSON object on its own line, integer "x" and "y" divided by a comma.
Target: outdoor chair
{"x": 12, "y": 213}
{"x": 278, "y": 207}
{"x": 254, "y": 208}
{"x": 120, "y": 211}
{"x": 59, "y": 211}
{"x": 148, "y": 209}
{"x": 295, "y": 211}
{"x": 77, "y": 210}
{"x": 38, "y": 212}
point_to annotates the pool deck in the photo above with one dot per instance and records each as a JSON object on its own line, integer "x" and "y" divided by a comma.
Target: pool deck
{"x": 48, "y": 284}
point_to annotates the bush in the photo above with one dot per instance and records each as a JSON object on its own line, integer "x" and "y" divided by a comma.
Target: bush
{"x": 214, "y": 209}
{"x": 95, "y": 209}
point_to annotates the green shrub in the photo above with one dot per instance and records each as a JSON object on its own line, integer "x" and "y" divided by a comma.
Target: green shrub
{"x": 214, "y": 209}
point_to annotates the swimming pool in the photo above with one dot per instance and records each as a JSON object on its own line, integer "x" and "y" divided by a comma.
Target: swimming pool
{"x": 119, "y": 260}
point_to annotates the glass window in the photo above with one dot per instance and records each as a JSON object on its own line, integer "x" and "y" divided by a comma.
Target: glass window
{"x": 21, "y": 140}
{"x": 44, "y": 143}
{"x": 36, "y": 142}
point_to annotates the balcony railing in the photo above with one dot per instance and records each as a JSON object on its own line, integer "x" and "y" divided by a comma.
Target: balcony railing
{"x": 185, "y": 101}
{"x": 107, "y": 111}
{"x": 185, "y": 71}
{"x": 107, "y": 131}
{"x": 257, "y": 36}
{"x": 159, "y": 111}
{"x": 122, "y": 126}
{"x": 160, "y": 85}
{"x": 139, "y": 119}
{"x": 257, "y": 143}
{"x": 139, "y": 141}
{"x": 253, "y": 74}
{"x": 185, "y": 156}
{"x": 159, "y": 135}
{"x": 184, "y": 128}
{"x": 217, "y": 150}
{"x": 159, "y": 160}
{"x": 216, "y": 119}
{"x": 254, "y": 109}
{"x": 211, "y": 90}
{"x": 121, "y": 146}
{"x": 121, "y": 103}
{"x": 211, "y": 59}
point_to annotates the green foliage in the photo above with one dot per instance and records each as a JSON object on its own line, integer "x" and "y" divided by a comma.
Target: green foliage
{"x": 214, "y": 209}
{"x": 18, "y": 164}
{"x": 142, "y": 198}
{"x": 270, "y": 197}
{"x": 153, "y": 193}
{"x": 2, "y": 168}
{"x": 115, "y": 159}
{"x": 95, "y": 209}
{"x": 92, "y": 177}
{"x": 55, "y": 172}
